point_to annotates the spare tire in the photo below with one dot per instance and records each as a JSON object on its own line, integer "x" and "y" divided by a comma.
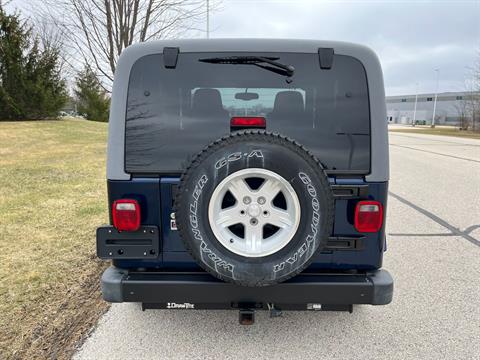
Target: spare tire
{"x": 254, "y": 207}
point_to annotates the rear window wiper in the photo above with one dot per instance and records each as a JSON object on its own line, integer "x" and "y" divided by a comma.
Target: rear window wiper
{"x": 267, "y": 63}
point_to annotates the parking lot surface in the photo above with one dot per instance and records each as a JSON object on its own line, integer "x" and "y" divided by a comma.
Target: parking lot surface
{"x": 433, "y": 234}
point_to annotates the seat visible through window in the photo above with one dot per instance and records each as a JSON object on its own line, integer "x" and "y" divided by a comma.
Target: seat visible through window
{"x": 288, "y": 106}
{"x": 208, "y": 102}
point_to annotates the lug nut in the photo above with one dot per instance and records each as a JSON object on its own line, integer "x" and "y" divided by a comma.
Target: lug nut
{"x": 261, "y": 200}
{"x": 253, "y": 221}
{"x": 247, "y": 200}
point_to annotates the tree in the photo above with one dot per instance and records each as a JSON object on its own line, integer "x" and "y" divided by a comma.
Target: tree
{"x": 475, "y": 95}
{"x": 462, "y": 111}
{"x": 100, "y": 30}
{"x": 91, "y": 98}
{"x": 31, "y": 86}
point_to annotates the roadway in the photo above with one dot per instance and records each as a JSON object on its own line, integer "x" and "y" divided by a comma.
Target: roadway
{"x": 433, "y": 234}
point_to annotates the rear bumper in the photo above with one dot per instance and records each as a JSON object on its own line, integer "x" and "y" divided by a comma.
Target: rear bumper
{"x": 204, "y": 291}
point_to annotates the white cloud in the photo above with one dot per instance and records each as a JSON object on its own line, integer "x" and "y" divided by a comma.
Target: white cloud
{"x": 411, "y": 37}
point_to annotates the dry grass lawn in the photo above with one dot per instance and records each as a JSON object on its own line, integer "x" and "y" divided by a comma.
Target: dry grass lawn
{"x": 439, "y": 130}
{"x": 52, "y": 197}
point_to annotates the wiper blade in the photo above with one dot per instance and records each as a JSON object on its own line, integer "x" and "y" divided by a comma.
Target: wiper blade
{"x": 265, "y": 62}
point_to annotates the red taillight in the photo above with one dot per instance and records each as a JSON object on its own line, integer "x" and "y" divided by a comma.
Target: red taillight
{"x": 368, "y": 216}
{"x": 126, "y": 215}
{"x": 248, "y": 121}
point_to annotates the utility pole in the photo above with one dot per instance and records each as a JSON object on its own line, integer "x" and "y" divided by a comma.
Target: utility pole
{"x": 435, "y": 101}
{"x": 208, "y": 19}
{"x": 415, "y": 108}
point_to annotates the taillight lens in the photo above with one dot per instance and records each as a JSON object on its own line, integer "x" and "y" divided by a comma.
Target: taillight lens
{"x": 368, "y": 216}
{"x": 126, "y": 215}
{"x": 248, "y": 122}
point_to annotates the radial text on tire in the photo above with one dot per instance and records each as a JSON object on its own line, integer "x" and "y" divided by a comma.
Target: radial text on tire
{"x": 253, "y": 208}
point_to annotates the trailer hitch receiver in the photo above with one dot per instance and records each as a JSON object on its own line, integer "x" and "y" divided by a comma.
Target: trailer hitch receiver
{"x": 246, "y": 317}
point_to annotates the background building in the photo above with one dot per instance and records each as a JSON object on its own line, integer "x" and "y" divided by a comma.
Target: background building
{"x": 449, "y": 110}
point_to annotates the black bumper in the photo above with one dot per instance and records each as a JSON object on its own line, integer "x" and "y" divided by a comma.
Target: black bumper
{"x": 202, "y": 290}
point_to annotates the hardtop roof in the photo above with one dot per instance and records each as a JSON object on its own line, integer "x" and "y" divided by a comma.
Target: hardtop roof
{"x": 252, "y": 45}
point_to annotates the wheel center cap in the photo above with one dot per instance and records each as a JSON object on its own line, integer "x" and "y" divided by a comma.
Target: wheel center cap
{"x": 253, "y": 210}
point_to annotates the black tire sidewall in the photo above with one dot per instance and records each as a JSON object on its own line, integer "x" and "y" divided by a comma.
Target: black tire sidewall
{"x": 255, "y": 150}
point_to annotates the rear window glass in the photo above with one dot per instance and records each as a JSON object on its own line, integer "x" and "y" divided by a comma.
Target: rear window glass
{"x": 174, "y": 113}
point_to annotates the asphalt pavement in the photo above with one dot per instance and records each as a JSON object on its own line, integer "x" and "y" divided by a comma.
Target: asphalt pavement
{"x": 433, "y": 234}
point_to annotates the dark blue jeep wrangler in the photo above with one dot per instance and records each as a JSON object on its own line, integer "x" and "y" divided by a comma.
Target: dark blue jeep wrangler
{"x": 247, "y": 174}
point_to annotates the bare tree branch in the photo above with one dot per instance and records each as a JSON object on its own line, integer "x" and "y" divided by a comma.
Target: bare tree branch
{"x": 99, "y": 30}
{"x": 470, "y": 106}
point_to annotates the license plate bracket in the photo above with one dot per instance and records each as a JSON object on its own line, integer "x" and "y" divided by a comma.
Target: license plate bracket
{"x": 141, "y": 244}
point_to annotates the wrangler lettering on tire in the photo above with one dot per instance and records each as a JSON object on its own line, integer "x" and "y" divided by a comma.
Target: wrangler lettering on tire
{"x": 254, "y": 208}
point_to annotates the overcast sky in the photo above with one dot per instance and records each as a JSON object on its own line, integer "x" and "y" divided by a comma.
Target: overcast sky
{"x": 412, "y": 38}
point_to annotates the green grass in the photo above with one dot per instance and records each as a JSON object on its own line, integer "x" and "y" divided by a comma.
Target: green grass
{"x": 52, "y": 181}
{"x": 439, "y": 130}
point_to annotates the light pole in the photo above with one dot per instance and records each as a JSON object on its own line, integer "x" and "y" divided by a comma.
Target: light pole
{"x": 435, "y": 101}
{"x": 415, "y": 108}
{"x": 208, "y": 19}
